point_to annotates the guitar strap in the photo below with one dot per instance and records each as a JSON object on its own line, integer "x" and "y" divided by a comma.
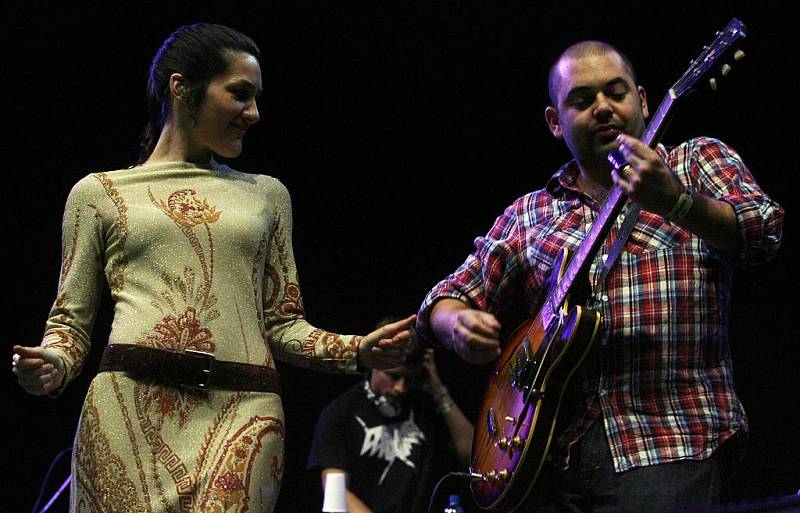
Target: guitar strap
{"x": 622, "y": 237}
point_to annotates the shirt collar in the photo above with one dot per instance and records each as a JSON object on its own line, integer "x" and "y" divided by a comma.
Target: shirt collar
{"x": 564, "y": 180}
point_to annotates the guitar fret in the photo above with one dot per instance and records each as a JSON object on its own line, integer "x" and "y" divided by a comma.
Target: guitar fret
{"x": 589, "y": 246}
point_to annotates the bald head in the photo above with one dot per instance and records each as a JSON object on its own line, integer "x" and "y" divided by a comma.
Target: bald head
{"x": 580, "y": 50}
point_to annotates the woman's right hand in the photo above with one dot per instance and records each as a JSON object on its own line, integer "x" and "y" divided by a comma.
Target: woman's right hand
{"x": 387, "y": 346}
{"x": 39, "y": 370}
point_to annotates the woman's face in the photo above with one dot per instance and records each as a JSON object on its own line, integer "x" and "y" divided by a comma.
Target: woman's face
{"x": 228, "y": 109}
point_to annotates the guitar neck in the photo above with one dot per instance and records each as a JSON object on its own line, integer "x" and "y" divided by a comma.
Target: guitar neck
{"x": 581, "y": 260}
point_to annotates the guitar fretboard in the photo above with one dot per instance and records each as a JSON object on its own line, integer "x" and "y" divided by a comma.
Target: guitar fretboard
{"x": 605, "y": 219}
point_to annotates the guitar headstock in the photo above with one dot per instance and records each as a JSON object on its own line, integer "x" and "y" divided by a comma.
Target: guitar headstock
{"x": 709, "y": 58}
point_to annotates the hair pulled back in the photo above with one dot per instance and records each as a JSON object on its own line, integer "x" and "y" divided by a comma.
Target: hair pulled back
{"x": 199, "y": 52}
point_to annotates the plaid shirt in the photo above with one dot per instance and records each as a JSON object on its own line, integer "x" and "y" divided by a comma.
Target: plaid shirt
{"x": 660, "y": 373}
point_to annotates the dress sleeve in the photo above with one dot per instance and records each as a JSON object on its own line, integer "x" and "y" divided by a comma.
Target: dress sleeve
{"x": 718, "y": 171}
{"x": 69, "y": 324}
{"x": 291, "y": 338}
{"x": 488, "y": 277}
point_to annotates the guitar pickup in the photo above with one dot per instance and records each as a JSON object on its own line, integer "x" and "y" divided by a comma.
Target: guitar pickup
{"x": 522, "y": 368}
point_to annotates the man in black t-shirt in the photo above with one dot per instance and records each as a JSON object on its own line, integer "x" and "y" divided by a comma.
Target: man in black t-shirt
{"x": 390, "y": 434}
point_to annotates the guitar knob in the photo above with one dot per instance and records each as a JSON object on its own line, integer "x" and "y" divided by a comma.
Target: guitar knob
{"x": 516, "y": 441}
{"x": 491, "y": 475}
{"x": 713, "y": 83}
{"x": 738, "y": 55}
{"x": 725, "y": 70}
{"x": 503, "y": 475}
{"x": 503, "y": 443}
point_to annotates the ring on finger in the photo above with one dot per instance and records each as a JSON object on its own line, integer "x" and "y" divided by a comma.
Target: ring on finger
{"x": 627, "y": 172}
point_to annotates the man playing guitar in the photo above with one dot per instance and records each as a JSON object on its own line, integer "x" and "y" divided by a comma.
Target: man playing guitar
{"x": 653, "y": 401}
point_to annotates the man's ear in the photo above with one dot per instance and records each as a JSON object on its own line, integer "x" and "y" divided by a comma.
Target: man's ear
{"x": 643, "y": 100}
{"x": 551, "y": 117}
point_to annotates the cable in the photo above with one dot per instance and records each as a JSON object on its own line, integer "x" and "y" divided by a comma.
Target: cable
{"x": 66, "y": 483}
{"x": 47, "y": 479}
{"x": 468, "y": 475}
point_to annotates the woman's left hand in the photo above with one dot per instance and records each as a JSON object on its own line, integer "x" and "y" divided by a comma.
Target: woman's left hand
{"x": 386, "y": 347}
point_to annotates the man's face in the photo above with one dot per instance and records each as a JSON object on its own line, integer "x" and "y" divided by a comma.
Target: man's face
{"x": 393, "y": 384}
{"x": 596, "y": 100}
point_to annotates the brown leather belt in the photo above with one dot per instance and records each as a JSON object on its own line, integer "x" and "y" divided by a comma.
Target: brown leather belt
{"x": 191, "y": 369}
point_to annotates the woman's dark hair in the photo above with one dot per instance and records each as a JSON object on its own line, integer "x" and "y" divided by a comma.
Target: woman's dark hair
{"x": 199, "y": 52}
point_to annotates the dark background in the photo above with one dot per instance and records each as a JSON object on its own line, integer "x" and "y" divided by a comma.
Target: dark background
{"x": 401, "y": 129}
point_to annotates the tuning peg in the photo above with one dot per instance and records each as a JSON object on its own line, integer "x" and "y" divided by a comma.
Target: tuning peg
{"x": 725, "y": 70}
{"x": 713, "y": 83}
{"x": 738, "y": 55}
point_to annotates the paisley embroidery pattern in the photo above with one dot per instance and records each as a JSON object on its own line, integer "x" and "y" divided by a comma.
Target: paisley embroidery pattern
{"x": 181, "y": 333}
{"x": 102, "y": 474}
{"x": 187, "y": 210}
{"x": 230, "y": 480}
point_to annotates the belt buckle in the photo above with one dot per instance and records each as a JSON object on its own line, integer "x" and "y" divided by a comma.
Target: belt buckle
{"x": 210, "y": 359}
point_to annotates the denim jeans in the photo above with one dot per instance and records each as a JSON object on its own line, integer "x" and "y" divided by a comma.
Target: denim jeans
{"x": 591, "y": 485}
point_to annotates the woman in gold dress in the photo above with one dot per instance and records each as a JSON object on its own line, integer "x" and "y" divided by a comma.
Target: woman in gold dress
{"x": 185, "y": 414}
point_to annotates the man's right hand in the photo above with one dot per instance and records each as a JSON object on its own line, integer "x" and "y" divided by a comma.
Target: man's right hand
{"x": 472, "y": 334}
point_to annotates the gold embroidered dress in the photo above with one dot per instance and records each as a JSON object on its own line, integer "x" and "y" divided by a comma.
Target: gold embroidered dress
{"x": 195, "y": 258}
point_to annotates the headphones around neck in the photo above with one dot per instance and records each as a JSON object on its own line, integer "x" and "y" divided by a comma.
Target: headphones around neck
{"x": 386, "y": 408}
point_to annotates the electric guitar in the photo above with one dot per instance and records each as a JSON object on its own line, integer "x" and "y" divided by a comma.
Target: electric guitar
{"x": 517, "y": 423}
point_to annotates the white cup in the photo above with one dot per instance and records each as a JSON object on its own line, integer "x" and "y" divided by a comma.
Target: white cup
{"x": 335, "y": 501}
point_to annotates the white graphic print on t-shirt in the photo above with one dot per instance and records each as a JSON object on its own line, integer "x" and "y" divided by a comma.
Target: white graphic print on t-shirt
{"x": 391, "y": 441}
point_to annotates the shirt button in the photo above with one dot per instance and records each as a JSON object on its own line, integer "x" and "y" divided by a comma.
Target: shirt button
{"x": 605, "y": 298}
{"x": 604, "y": 257}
